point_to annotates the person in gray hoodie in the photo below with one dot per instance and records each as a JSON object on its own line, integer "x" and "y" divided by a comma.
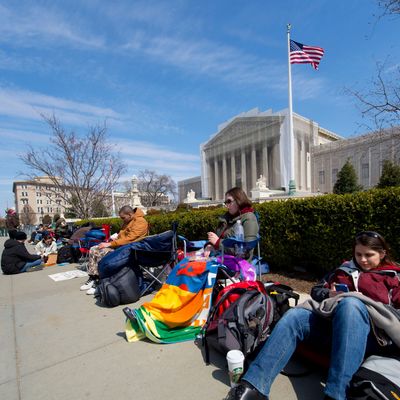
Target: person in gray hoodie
{"x": 354, "y": 311}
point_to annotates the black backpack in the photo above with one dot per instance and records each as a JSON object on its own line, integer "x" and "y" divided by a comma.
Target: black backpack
{"x": 378, "y": 378}
{"x": 243, "y": 325}
{"x": 280, "y": 294}
{"x": 120, "y": 288}
{"x": 65, "y": 254}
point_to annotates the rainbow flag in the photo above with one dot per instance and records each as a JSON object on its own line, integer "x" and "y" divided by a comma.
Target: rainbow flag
{"x": 180, "y": 308}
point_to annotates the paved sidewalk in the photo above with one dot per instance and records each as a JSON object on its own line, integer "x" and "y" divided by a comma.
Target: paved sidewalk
{"x": 57, "y": 344}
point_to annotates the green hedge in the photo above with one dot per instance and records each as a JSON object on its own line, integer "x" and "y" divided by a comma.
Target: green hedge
{"x": 314, "y": 233}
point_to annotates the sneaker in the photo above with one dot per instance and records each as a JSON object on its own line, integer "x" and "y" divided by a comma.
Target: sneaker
{"x": 88, "y": 284}
{"x": 92, "y": 290}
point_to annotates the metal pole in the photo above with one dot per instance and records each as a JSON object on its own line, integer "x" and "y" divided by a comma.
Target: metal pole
{"x": 292, "y": 182}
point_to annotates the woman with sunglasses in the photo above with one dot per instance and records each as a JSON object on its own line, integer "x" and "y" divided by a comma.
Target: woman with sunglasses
{"x": 239, "y": 207}
{"x": 372, "y": 281}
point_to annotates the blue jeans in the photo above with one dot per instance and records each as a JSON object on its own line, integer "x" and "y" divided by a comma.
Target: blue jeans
{"x": 30, "y": 264}
{"x": 347, "y": 332}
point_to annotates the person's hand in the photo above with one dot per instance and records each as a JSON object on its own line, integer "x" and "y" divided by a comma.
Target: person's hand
{"x": 207, "y": 250}
{"x": 212, "y": 238}
{"x": 333, "y": 292}
{"x": 104, "y": 245}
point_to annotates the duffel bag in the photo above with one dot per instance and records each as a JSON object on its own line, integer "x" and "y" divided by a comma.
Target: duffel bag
{"x": 121, "y": 288}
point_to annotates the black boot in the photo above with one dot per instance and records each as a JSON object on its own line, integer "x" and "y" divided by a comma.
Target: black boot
{"x": 244, "y": 391}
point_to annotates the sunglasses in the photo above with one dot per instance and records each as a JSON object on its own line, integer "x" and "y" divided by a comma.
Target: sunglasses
{"x": 371, "y": 234}
{"x": 229, "y": 201}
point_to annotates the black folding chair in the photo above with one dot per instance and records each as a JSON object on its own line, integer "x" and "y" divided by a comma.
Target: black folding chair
{"x": 156, "y": 257}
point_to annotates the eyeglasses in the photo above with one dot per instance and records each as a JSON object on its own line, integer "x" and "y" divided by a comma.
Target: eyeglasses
{"x": 229, "y": 201}
{"x": 371, "y": 234}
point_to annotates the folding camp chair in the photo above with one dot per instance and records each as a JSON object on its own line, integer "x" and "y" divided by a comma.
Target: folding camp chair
{"x": 246, "y": 246}
{"x": 87, "y": 242}
{"x": 155, "y": 257}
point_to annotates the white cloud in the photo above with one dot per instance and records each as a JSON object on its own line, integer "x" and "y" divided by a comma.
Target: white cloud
{"x": 306, "y": 87}
{"x": 6, "y": 182}
{"x": 149, "y": 150}
{"x": 35, "y": 25}
{"x": 23, "y": 135}
{"x": 209, "y": 58}
{"x": 140, "y": 155}
{"x": 29, "y": 105}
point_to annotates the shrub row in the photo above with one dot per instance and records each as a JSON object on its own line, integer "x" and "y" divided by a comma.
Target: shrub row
{"x": 315, "y": 233}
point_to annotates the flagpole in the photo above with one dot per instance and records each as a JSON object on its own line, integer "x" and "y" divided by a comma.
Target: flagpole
{"x": 292, "y": 183}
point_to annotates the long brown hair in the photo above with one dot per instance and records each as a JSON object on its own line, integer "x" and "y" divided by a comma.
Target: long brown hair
{"x": 374, "y": 241}
{"x": 240, "y": 197}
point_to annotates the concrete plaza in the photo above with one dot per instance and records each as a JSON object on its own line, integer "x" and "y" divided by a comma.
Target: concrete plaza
{"x": 57, "y": 344}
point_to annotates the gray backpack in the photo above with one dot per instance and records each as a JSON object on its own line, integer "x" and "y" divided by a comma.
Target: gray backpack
{"x": 243, "y": 325}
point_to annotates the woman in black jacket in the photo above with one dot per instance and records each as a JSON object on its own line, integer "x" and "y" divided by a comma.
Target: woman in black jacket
{"x": 16, "y": 258}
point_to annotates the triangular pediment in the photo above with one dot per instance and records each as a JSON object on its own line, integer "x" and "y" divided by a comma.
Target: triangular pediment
{"x": 240, "y": 127}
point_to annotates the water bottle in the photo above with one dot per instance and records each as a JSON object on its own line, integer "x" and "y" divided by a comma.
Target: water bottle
{"x": 239, "y": 234}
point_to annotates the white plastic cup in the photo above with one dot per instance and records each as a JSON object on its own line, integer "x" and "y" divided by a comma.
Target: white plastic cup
{"x": 235, "y": 359}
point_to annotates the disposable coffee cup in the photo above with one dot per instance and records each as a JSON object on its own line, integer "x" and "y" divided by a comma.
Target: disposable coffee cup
{"x": 235, "y": 359}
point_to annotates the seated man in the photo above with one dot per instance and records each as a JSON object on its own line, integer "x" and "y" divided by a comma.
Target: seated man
{"x": 134, "y": 228}
{"x": 16, "y": 258}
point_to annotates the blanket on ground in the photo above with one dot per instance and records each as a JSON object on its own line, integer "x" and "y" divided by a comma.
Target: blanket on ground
{"x": 180, "y": 308}
{"x": 384, "y": 318}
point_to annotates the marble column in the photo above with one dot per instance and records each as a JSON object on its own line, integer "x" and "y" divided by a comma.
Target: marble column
{"x": 210, "y": 177}
{"x": 253, "y": 167}
{"x": 243, "y": 165}
{"x": 216, "y": 180}
{"x": 224, "y": 175}
{"x": 265, "y": 163}
{"x": 233, "y": 170}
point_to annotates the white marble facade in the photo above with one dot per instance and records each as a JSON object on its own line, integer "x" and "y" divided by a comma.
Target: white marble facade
{"x": 366, "y": 153}
{"x": 256, "y": 143}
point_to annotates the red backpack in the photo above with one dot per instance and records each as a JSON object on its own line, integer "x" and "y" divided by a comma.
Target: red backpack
{"x": 239, "y": 320}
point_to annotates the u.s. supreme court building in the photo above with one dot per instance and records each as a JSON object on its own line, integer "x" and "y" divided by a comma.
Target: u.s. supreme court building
{"x": 257, "y": 143}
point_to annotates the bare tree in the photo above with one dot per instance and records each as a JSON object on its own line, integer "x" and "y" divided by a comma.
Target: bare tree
{"x": 154, "y": 187}
{"x": 381, "y": 103}
{"x": 390, "y": 7}
{"x": 27, "y": 216}
{"x": 84, "y": 169}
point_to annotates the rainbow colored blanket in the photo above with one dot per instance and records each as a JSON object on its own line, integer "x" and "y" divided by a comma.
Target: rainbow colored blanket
{"x": 180, "y": 308}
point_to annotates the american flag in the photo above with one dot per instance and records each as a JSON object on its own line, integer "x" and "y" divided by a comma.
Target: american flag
{"x": 303, "y": 54}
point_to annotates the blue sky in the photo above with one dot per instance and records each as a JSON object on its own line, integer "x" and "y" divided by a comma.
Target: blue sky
{"x": 165, "y": 74}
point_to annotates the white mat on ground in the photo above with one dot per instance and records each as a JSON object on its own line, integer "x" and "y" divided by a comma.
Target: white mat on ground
{"x": 64, "y": 276}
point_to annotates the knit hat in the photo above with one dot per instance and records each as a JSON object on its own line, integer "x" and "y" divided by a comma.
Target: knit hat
{"x": 20, "y": 235}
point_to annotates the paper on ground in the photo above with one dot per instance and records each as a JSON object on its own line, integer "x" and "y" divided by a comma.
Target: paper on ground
{"x": 64, "y": 276}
